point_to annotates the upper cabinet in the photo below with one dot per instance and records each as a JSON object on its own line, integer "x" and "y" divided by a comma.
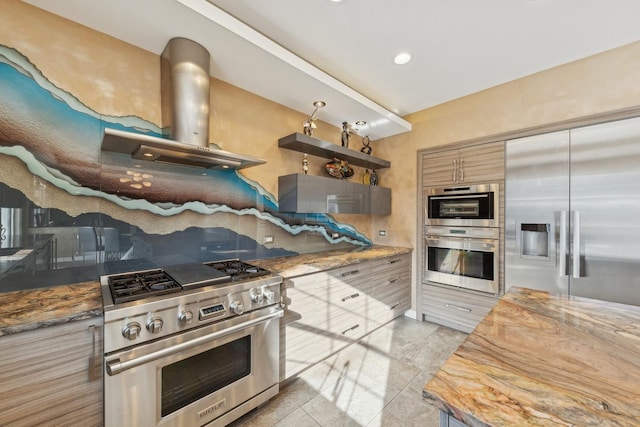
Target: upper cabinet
{"x": 315, "y": 194}
{"x": 474, "y": 164}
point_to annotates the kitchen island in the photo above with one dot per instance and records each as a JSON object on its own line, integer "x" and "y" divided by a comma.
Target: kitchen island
{"x": 544, "y": 360}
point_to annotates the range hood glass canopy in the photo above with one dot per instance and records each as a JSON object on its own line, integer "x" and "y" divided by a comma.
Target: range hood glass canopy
{"x": 185, "y": 108}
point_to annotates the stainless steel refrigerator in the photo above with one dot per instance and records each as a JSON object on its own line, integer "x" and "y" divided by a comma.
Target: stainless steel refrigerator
{"x": 572, "y": 212}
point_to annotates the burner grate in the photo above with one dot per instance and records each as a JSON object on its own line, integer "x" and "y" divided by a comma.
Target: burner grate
{"x": 238, "y": 270}
{"x": 134, "y": 286}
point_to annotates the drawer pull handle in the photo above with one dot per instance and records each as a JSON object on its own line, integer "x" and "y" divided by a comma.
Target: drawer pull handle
{"x": 356, "y": 295}
{"x": 391, "y": 281}
{"x": 350, "y": 273}
{"x": 393, "y": 261}
{"x": 394, "y": 305}
{"x": 354, "y": 327}
{"x": 468, "y": 310}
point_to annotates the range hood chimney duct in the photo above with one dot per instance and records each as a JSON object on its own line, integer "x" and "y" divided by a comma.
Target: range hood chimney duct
{"x": 185, "y": 116}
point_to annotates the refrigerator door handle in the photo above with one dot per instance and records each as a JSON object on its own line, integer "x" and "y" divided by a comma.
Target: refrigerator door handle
{"x": 562, "y": 249}
{"x": 576, "y": 244}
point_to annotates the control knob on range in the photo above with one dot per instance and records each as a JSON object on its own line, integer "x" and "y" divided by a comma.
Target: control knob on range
{"x": 257, "y": 297}
{"x": 185, "y": 317}
{"x": 154, "y": 325}
{"x": 237, "y": 307}
{"x": 131, "y": 330}
{"x": 269, "y": 295}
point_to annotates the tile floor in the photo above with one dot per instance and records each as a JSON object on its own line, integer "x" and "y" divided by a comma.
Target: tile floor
{"x": 375, "y": 382}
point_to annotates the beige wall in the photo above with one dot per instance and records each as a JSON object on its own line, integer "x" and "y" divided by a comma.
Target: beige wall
{"x": 598, "y": 84}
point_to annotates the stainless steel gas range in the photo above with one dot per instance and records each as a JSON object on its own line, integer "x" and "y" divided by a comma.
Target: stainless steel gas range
{"x": 191, "y": 344}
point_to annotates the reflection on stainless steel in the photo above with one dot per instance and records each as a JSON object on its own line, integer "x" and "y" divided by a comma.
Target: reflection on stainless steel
{"x": 463, "y": 206}
{"x": 192, "y": 344}
{"x": 465, "y": 257}
{"x": 572, "y": 208}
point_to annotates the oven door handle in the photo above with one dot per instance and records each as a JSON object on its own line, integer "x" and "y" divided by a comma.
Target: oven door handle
{"x": 116, "y": 366}
{"x": 470, "y": 196}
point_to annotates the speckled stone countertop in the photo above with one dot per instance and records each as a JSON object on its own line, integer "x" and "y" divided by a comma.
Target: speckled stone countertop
{"x": 298, "y": 265}
{"x": 545, "y": 360}
{"x": 36, "y": 308}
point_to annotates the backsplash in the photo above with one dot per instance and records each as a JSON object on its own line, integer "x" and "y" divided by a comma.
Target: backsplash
{"x": 70, "y": 212}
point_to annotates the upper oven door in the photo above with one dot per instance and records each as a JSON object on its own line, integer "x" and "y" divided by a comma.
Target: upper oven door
{"x": 462, "y": 262}
{"x": 475, "y": 205}
{"x": 194, "y": 377}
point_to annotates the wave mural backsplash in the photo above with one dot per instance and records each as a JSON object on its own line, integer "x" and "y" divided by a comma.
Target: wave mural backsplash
{"x": 56, "y": 185}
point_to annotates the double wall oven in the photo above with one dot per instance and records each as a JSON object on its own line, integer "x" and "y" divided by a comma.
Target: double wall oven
{"x": 461, "y": 237}
{"x": 190, "y": 345}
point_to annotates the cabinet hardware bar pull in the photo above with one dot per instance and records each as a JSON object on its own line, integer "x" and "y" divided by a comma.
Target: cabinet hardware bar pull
{"x": 455, "y": 170}
{"x": 391, "y": 281}
{"x": 356, "y": 326}
{"x": 461, "y": 170}
{"x": 349, "y": 273}
{"x": 458, "y": 308}
{"x": 393, "y": 261}
{"x": 394, "y": 305}
{"x": 356, "y": 295}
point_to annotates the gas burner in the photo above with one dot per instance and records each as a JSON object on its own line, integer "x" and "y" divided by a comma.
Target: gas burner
{"x": 238, "y": 270}
{"x": 134, "y": 286}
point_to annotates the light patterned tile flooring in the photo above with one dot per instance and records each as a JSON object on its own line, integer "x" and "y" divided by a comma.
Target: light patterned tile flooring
{"x": 375, "y": 382}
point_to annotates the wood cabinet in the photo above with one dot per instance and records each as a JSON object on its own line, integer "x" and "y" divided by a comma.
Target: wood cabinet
{"x": 53, "y": 376}
{"x": 461, "y": 165}
{"x": 328, "y": 310}
{"x": 467, "y": 165}
{"x": 455, "y": 308}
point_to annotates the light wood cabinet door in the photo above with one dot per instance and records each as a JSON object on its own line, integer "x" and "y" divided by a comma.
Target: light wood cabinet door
{"x": 391, "y": 288}
{"x": 297, "y": 326}
{"x": 458, "y": 309}
{"x": 48, "y": 376}
{"x": 482, "y": 163}
{"x": 475, "y": 164}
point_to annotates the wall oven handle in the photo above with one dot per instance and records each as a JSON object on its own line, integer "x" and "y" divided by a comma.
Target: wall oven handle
{"x": 576, "y": 244}
{"x": 467, "y": 196}
{"x": 562, "y": 246}
{"x": 116, "y": 366}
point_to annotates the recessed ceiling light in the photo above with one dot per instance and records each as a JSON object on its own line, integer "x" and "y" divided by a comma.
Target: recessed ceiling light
{"x": 402, "y": 58}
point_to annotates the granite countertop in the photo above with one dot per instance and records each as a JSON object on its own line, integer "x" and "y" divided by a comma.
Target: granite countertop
{"x": 299, "y": 265}
{"x": 545, "y": 360}
{"x": 36, "y": 308}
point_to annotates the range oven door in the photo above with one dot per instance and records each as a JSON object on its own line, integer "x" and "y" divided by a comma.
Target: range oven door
{"x": 475, "y": 205}
{"x": 193, "y": 378}
{"x": 470, "y": 263}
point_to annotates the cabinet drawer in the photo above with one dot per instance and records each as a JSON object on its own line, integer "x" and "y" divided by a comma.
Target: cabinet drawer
{"x": 342, "y": 297}
{"x": 455, "y": 308}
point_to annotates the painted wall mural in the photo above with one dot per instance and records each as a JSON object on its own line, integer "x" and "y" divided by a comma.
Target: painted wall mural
{"x": 74, "y": 212}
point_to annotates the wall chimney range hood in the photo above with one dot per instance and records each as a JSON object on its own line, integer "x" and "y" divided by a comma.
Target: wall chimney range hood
{"x": 185, "y": 115}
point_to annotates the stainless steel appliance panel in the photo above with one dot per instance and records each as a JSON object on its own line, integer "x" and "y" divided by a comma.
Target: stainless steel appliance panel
{"x": 159, "y": 401}
{"x": 605, "y": 203}
{"x": 583, "y": 184}
{"x": 536, "y": 193}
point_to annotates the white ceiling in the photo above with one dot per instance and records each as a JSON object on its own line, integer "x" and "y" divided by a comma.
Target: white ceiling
{"x": 297, "y": 51}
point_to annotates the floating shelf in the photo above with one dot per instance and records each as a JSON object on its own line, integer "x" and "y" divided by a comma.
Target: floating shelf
{"x": 317, "y": 147}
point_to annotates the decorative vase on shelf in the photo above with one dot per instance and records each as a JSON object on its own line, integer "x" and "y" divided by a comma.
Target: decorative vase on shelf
{"x": 305, "y": 164}
{"x": 366, "y": 177}
{"x": 366, "y": 149}
{"x": 339, "y": 169}
{"x": 373, "y": 179}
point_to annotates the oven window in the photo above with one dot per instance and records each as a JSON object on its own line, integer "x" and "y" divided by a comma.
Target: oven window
{"x": 461, "y": 262}
{"x": 474, "y": 206}
{"x": 191, "y": 379}
{"x": 457, "y": 208}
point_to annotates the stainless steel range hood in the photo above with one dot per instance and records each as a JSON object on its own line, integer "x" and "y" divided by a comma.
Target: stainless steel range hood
{"x": 185, "y": 114}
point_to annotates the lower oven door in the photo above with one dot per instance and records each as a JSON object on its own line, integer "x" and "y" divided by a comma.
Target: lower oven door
{"x": 462, "y": 262}
{"x": 193, "y": 378}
